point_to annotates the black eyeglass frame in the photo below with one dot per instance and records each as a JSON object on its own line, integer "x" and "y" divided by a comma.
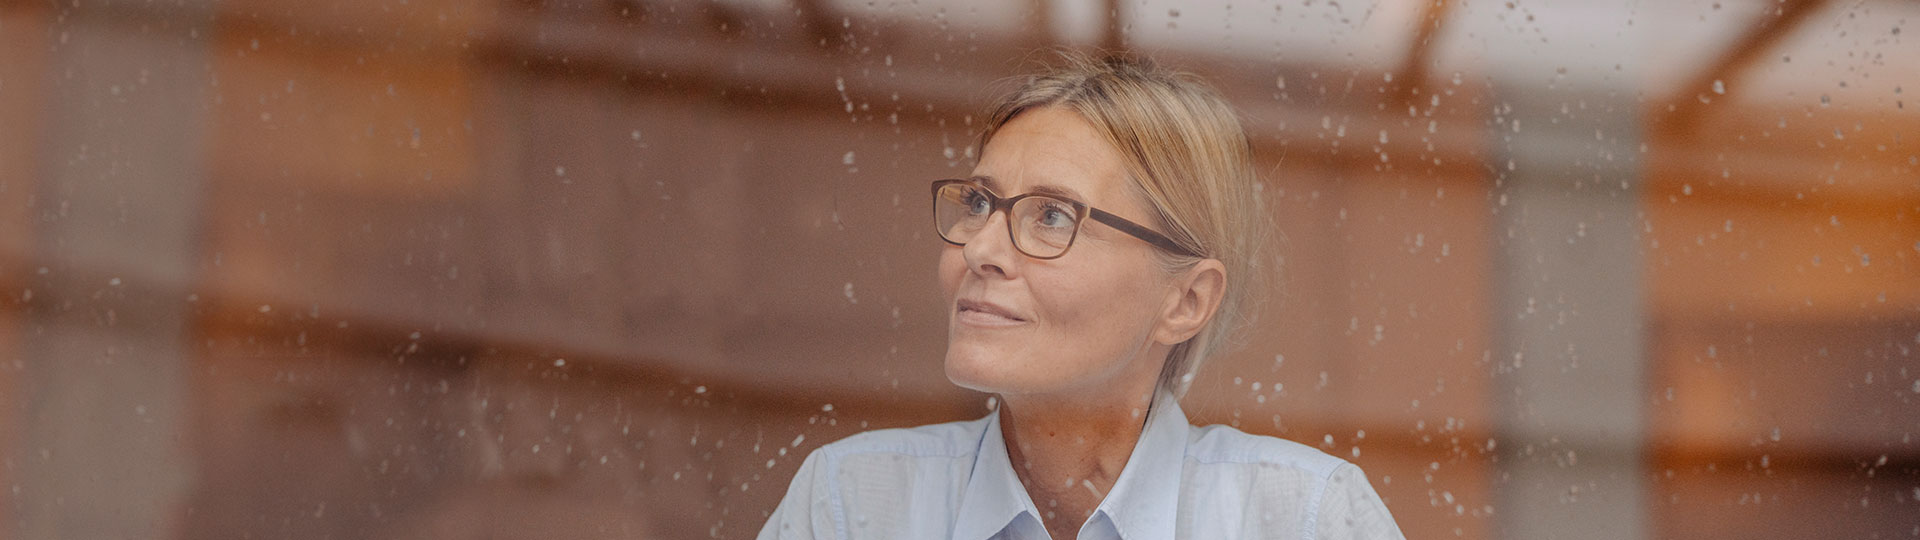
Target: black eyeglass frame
{"x": 1082, "y": 211}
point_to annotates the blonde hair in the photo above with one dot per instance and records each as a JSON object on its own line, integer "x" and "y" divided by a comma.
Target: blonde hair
{"x": 1187, "y": 157}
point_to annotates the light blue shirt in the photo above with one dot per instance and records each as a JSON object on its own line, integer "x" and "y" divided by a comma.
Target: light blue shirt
{"x": 954, "y": 481}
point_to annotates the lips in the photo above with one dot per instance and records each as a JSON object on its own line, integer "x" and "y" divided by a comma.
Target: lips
{"x": 987, "y": 313}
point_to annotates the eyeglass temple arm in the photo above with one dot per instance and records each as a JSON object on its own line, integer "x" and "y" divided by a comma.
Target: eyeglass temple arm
{"x": 1145, "y": 234}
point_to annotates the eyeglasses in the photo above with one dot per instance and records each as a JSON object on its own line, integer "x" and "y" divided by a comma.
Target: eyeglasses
{"x": 1041, "y": 226}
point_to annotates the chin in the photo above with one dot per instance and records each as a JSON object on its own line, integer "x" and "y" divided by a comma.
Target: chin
{"x": 991, "y": 370}
{"x": 988, "y": 367}
{"x": 971, "y": 368}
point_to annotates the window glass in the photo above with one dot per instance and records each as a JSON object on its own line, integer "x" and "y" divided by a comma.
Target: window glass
{"x": 614, "y": 268}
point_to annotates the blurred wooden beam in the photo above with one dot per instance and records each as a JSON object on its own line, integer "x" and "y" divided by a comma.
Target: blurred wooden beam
{"x": 1412, "y": 72}
{"x": 1687, "y": 105}
{"x": 1038, "y": 27}
{"x": 1114, "y": 39}
{"x": 818, "y": 17}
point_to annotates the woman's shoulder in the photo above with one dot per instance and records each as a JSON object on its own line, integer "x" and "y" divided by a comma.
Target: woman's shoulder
{"x": 1331, "y": 498}
{"x": 892, "y": 467}
{"x": 1228, "y": 445}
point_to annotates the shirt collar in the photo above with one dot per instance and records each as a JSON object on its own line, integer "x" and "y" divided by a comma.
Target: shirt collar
{"x": 1142, "y": 504}
{"x": 994, "y": 497}
{"x": 1146, "y": 498}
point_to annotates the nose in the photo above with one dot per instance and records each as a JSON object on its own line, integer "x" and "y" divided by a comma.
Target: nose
{"x": 991, "y": 252}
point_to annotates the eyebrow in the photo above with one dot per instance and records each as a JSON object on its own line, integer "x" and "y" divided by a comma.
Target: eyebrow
{"x": 1043, "y": 189}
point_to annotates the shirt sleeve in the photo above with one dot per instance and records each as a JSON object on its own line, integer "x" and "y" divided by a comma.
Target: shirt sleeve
{"x": 1350, "y": 510}
{"x": 803, "y": 514}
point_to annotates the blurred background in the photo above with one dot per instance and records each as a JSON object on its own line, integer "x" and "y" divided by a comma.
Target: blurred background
{"x": 612, "y": 268}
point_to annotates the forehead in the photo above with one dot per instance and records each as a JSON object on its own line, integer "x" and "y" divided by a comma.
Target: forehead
{"x": 1053, "y": 151}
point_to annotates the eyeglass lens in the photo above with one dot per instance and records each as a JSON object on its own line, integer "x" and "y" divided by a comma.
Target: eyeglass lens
{"x": 1041, "y": 226}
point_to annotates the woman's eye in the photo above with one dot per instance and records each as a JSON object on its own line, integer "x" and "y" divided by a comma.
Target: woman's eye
{"x": 977, "y": 203}
{"x": 1055, "y": 216}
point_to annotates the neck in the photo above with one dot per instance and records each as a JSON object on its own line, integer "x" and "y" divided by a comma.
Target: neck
{"x": 1069, "y": 452}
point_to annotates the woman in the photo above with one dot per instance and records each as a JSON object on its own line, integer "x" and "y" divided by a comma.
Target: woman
{"x": 1104, "y": 245}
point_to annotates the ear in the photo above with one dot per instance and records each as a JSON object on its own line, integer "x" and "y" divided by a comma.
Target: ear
{"x": 1191, "y": 302}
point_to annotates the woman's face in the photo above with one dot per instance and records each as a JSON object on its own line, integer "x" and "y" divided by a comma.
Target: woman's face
{"x": 1083, "y": 321}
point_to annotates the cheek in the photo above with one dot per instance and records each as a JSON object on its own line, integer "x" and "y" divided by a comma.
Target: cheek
{"x": 1081, "y": 314}
{"x": 1096, "y": 303}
